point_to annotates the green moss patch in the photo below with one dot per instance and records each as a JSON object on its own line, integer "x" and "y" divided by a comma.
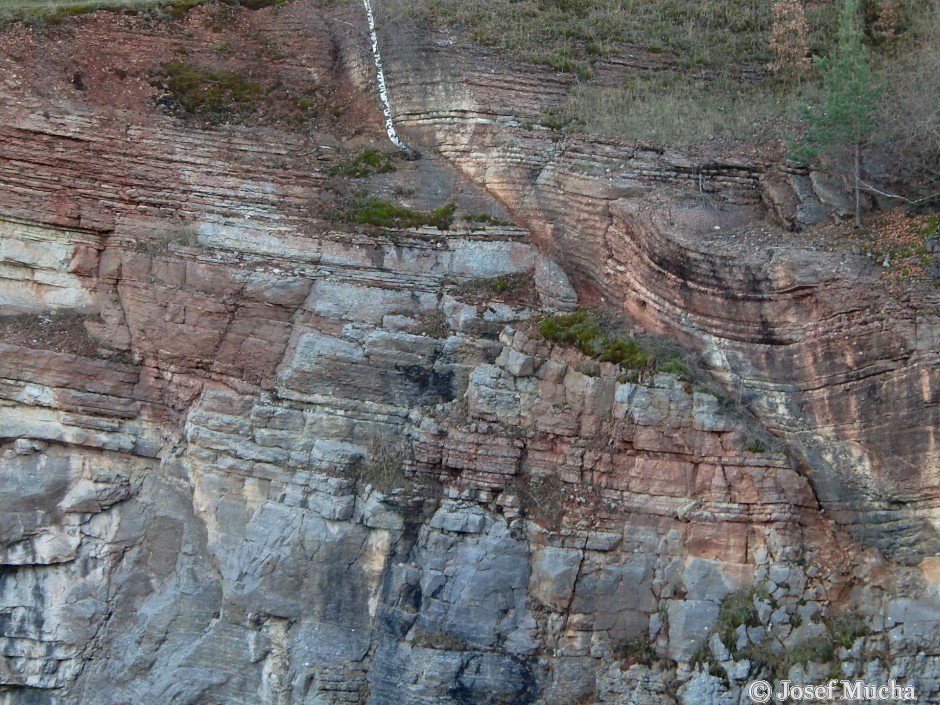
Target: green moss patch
{"x": 597, "y": 338}
{"x": 366, "y": 163}
{"x": 213, "y": 95}
{"x": 368, "y": 210}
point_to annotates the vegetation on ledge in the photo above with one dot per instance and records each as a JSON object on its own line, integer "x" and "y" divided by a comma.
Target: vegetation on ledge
{"x": 733, "y": 69}
{"x": 51, "y": 13}
{"x": 209, "y": 94}
{"x": 594, "y": 337}
{"x": 366, "y": 163}
{"x": 368, "y": 210}
{"x": 571, "y": 35}
{"x": 768, "y": 657}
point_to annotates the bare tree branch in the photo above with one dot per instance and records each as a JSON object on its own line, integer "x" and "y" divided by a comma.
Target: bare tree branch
{"x": 871, "y": 189}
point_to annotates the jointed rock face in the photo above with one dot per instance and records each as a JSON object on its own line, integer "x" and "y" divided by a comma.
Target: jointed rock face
{"x": 304, "y": 461}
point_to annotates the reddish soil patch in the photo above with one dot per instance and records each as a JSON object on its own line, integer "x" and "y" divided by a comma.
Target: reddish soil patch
{"x": 62, "y": 331}
{"x": 111, "y": 59}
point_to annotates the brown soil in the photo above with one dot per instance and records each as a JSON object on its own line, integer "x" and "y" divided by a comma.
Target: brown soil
{"x": 113, "y": 59}
{"x": 60, "y": 331}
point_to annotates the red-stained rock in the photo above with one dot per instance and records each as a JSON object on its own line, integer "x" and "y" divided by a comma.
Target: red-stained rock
{"x": 281, "y": 368}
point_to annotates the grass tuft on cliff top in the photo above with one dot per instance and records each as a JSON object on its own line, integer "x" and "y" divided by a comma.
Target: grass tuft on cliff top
{"x": 571, "y": 35}
{"x": 55, "y": 11}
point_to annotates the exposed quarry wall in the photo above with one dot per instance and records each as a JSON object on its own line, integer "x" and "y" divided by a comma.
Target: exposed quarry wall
{"x": 314, "y": 463}
{"x": 692, "y": 245}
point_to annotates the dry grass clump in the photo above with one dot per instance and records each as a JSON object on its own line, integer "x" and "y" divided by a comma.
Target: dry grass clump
{"x": 53, "y": 12}
{"x": 571, "y": 34}
{"x": 674, "y": 108}
{"x": 910, "y": 110}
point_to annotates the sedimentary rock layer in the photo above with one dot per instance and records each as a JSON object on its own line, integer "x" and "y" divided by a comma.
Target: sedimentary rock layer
{"x": 318, "y": 463}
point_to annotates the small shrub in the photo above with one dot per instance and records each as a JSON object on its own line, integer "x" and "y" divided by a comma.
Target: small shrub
{"x": 846, "y": 628}
{"x": 566, "y": 64}
{"x": 507, "y": 282}
{"x": 181, "y": 236}
{"x": 820, "y": 650}
{"x": 556, "y": 121}
{"x": 579, "y": 329}
{"x": 588, "y": 368}
{"x": 755, "y": 445}
{"x": 185, "y": 237}
{"x": 272, "y": 50}
{"x": 442, "y": 217}
{"x": 224, "y": 49}
{"x": 674, "y": 367}
{"x": 736, "y": 609}
{"x": 432, "y": 323}
{"x": 484, "y": 219}
{"x": 625, "y": 353}
{"x": 385, "y": 467}
{"x": 514, "y": 284}
{"x": 639, "y": 649}
{"x": 366, "y": 163}
{"x": 584, "y": 330}
{"x": 542, "y": 498}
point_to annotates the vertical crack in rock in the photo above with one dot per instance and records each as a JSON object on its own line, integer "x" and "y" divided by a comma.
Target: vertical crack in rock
{"x": 383, "y": 88}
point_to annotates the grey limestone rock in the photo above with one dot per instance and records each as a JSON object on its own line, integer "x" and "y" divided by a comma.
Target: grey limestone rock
{"x": 555, "y": 291}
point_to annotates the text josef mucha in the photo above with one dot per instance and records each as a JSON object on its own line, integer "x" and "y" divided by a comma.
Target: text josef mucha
{"x": 858, "y": 691}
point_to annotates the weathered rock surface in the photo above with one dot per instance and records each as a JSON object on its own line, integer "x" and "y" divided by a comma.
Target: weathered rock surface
{"x": 313, "y": 466}
{"x": 808, "y": 338}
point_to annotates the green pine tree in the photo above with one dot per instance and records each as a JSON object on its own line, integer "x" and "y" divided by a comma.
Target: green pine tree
{"x": 846, "y": 122}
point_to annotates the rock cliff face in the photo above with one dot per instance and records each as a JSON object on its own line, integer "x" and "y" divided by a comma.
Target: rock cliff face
{"x": 299, "y": 461}
{"x": 691, "y": 245}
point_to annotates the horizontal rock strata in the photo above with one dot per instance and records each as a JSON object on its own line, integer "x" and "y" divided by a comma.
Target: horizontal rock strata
{"x": 310, "y": 462}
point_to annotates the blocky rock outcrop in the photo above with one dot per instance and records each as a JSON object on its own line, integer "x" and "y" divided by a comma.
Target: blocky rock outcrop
{"x": 312, "y": 462}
